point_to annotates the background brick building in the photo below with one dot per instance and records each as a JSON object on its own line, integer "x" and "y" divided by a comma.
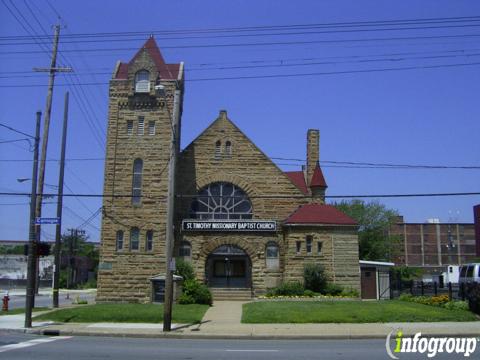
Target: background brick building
{"x": 434, "y": 245}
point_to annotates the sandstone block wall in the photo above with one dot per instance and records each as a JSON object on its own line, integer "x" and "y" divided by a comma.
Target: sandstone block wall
{"x": 124, "y": 274}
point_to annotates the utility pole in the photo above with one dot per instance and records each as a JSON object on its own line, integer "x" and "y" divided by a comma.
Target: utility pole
{"x": 58, "y": 232}
{"x": 32, "y": 249}
{"x": 48, "y": 110}
{"x": 170, "y": 234}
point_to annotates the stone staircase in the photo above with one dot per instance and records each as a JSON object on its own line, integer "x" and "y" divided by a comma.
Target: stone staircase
{"x": 240, "y": 294}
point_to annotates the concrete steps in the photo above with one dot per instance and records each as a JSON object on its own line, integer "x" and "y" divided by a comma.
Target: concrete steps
{"x": 220, "y": 294}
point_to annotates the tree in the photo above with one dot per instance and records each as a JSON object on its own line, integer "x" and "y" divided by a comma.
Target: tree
{"x": 374, "y": 221}
{"x": 75, "y": 246}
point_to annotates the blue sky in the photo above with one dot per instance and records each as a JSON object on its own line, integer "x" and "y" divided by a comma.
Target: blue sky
{"x": 427, "y": 115}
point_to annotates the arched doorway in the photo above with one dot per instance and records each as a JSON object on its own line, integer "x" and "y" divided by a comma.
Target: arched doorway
{"x": 228, "y": 266}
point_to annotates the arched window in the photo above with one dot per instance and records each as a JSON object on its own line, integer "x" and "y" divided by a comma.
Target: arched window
{"x": 149, "y": 241}
{"x": 142, "y": 81}
{"x": 185, "y": 250}
{"x": 134, "y": 238}
{"x": 137, "y": 181}
{"x": 221, "y": 200}
{"x": 271, "y": 256}
{"x": 119, "y": 240}
{"x": 218, "y": 149}
{"x": 228, "y": 149}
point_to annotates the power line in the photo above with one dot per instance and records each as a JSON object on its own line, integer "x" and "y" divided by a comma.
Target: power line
{"x": 273, "y": 76}
{"x": 17, "y": 131}
{"x": 258, "y": 196}
{"x": 325, "y": 163}
{"x": 282, "y": 64}
{"x": 297, "y": 33}
{"x": 262, "y": 44}
{"x": 397, "y": 22}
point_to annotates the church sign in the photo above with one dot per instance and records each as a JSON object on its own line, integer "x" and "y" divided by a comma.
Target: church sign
{"x": 229, "y": 225}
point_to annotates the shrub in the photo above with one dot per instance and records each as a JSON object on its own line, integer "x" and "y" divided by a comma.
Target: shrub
{"x": 332, "y": 289}
{"x": 90, "y": 284}
{"x": 184, "y": 269}
{"x": 309, "y": 293}
{"x": 405, "y": 297}
{"x": 197, "y": 291}
{"x": 456, "y": 305}
{"x": 473, "y": 297}
{"x": 315, "y": 277}
{"x": 291, "y": 288}
{"x": 441, "y": 300}
{"x": 186, "y": 299}
{"x": 350, "y": 293}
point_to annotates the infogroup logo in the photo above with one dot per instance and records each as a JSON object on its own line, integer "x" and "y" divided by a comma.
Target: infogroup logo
{"x": 430, "y": 345}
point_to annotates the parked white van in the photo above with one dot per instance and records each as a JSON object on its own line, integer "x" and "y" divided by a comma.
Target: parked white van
{"x": 469, "y": 273}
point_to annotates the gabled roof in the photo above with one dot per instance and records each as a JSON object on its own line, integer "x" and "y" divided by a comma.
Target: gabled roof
{"x": 166, "y": 71}
{"x": 317, "y": 177}
{"x": 319, "y": 214}
{"x": 298, "y": 179}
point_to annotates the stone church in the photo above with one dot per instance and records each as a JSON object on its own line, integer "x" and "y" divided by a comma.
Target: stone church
{"x": 243, "y": 223}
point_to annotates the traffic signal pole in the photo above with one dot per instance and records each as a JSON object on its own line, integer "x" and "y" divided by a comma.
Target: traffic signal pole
{"x": 32, "y": 250}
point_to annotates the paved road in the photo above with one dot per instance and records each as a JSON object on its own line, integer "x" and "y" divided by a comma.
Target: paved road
{"x": 92, "y": 348}
{"x": 17, "y": 301}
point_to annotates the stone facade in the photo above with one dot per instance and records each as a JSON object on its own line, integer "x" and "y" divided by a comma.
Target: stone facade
{"x": 221, "y": 154}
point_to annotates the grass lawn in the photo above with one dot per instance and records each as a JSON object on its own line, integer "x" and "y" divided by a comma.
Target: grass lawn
{"x": 347, "y": 312}
{"x": 141, "y": 313}
{"x": 20, "y": 311}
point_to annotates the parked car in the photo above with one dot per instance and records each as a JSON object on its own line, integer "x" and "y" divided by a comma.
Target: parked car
{"x": 469, "y": 273}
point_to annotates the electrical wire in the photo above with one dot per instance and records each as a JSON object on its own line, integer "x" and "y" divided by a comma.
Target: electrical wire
{"x": 256, "y": 196}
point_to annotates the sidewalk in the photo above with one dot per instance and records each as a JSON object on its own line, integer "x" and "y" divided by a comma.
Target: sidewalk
{"x": 222, "y": 321}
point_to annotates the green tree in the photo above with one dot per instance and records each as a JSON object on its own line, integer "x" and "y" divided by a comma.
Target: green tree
{"x": 75, "y": 245}
{"x": 374, "y": 221}
{"x": 11, "y": 250}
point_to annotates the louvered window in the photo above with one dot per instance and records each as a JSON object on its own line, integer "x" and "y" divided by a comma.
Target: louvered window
{"x": 228, "y": 149}
{"x": 218, "y": 149}
{"x": 129, "y": 127}
{"x": 151, "y": 127}
{"x": 141, "y": 125}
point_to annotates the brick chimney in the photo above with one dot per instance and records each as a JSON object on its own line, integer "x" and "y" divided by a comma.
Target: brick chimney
{"x": 313, "y": 139}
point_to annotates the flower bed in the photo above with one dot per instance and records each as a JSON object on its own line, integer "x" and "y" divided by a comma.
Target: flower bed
{"x": 441, "y": 301}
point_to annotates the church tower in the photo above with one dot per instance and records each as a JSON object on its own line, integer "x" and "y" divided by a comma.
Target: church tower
{"x": 145, "y": 96}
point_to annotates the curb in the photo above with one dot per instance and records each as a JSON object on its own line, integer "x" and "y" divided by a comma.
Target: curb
{"x": 206, "y": 336}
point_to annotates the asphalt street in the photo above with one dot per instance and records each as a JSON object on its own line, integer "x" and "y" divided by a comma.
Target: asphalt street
{"x": 24, "y": 346}
{"x": 17, "y": 301}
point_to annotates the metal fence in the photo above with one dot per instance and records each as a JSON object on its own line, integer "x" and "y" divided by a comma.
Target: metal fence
{"x": 421, "y": 288}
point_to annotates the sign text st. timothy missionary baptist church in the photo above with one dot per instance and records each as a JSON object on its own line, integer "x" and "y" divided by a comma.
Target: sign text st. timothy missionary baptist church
{"x": 228, "y": 225}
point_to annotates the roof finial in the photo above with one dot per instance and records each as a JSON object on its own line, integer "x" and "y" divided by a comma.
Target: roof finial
{"x": 223, "y": 114}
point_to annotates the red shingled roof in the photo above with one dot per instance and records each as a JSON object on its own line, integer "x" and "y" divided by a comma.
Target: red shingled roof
{"x": 319, "y": 214}
{"x": 167, "y": 71}
{"x": 298, "y": 179}
{"x": 317, "y": 177}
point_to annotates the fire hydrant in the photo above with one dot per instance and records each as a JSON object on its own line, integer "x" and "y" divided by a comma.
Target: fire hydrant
{"x": 5, "y": 299}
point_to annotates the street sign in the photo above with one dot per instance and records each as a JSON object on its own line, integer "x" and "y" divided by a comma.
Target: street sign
{"x": 43, "y": 221}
